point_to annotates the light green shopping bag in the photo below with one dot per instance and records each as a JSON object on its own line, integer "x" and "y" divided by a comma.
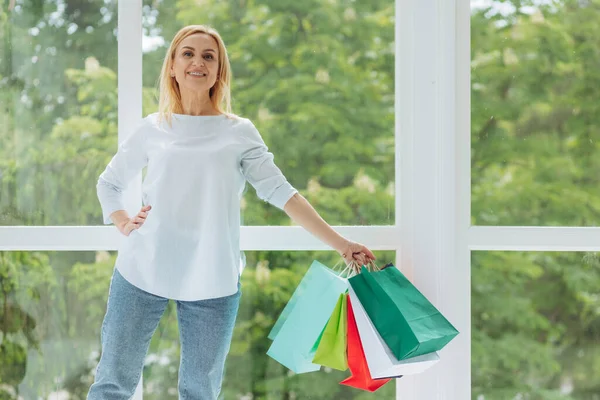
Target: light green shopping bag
{"x": 331, "y": 350}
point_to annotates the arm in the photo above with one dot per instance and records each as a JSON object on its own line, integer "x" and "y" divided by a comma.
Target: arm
{"x": 303, "y": 213}
{"x": 123, "y": 167}
{"x": 271, "y": 185}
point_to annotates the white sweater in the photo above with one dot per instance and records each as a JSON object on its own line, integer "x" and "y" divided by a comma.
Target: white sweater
{"x": 188, "y": 248}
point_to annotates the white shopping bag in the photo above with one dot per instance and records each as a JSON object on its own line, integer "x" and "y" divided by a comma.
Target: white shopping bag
{"x": 380, "y": 359}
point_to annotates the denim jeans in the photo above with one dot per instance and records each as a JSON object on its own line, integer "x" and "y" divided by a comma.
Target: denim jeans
{"x": 132, "y": 315}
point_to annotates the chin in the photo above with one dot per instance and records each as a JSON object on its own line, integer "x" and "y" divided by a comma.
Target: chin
{"x": 199, "y": 88}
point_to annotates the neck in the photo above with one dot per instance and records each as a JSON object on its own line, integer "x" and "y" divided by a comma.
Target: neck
{"x": 197, "y": 104}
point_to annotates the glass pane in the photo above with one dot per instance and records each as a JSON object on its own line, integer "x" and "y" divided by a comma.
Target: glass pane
{"x": 267, "y": 284}
{"x": 535, "y": 120}
{"x": 316, "y": 78}
{"x": 52, "y": 305}
{"x": 535, "y": 326}
{"x": 58, "y": 109}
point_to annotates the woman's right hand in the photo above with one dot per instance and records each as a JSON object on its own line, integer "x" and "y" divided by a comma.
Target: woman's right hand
{"x": 128, "y": 225}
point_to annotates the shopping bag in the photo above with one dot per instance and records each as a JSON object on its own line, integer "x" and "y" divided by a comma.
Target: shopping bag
{"x": 360, "y": 378}
{"x": 331, "y": 349}
{"x": 380, "y": 359}
{"x": 315, "y": 298}
{"x": 408, "y": 323}
{"x": 300, "y": 290}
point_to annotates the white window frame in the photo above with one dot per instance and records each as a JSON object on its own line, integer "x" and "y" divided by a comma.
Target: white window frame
{"x": 432, "y": 234}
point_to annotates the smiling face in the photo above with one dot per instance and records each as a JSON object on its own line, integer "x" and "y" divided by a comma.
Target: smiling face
{"x": 196, "y": 63}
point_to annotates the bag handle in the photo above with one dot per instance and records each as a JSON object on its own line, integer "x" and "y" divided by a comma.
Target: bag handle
{"x": 348, "y": 271}
{"x": 353, "y": 268}
{"x": 374, "y": 266}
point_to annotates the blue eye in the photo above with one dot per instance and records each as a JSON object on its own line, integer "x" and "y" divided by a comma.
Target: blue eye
{"x": 209, "y": 56}
{"x": 187, "y": 52}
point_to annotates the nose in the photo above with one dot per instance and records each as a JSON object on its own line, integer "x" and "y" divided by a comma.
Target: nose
{"x": 198, "y": 61}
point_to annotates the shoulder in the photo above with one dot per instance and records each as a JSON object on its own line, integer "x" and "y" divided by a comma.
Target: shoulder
{"x": 153, "y": 117}
{"x": 151, "y": 121}
{"x": 154, "y": 124}
{"x": 239, "y": 122}
{"x": 243, "y": 127}
{"x": 138, "y": 135}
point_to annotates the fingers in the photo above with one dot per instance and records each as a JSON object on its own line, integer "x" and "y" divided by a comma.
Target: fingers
{"x": 133, "y": 224}
{"x": 361, "y": 258}
{"x": 369, "y": 253}
{"x": 356, "y": 257}
{"x": 358, "y": 253}
{"x": 363, "y": 255}
{"x": 141, "y": 216}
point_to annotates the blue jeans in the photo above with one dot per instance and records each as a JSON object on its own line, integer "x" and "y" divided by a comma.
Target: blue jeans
{"x": 132, "y": 315}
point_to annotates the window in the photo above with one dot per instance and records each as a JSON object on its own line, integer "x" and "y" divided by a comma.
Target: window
{"x": 267, "y": 284}
{"x": 536, "y": 331}
{"x": 534, "y": 123}
{"x": 457, "y": 180}
{"x": 52, "y": 307}
{"x": 63, "y": 114}
{"x": 58, "y": 110}
{"x": 55, "y": 303}
{"x": 317, "y": 81}
{"x": 534, "y": 241}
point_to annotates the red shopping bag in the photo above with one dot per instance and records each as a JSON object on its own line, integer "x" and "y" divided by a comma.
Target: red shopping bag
{"x": 361, "y": 377}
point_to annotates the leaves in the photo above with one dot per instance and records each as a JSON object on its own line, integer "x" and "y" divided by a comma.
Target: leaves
{"x": 13, "y": 363}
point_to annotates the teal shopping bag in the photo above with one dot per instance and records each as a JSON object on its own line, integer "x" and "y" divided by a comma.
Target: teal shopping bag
{"x": 408, "y": 323}
{"x": 298, "y": 293}
{"x": 300, "y": 326}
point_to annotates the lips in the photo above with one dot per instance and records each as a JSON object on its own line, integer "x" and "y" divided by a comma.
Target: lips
{"x": 197, "y": 73}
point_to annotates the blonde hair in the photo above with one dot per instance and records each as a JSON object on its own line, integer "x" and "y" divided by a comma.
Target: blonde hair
{"x": 170, "y": 96}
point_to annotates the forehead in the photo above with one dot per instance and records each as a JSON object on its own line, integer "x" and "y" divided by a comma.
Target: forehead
{"x": 200, "y": 42}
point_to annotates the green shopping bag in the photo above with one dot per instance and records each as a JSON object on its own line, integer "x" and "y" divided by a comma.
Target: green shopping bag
{"x": 331, "y": 347}
{"x": 408, "y": 323}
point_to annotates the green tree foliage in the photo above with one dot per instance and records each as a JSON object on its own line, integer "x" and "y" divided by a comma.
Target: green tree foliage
{"x": 536, "y": 317}
{"x": 535, "y": 114}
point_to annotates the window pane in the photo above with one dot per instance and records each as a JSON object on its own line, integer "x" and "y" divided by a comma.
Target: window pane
{"x": 535, "y": 325}
{"x": 58, "y": 109}
{"x": 268, "y": 281}
{"x": 535, "y": 116}
{"x": 54, "y": 302}
{"x": 316, "y": 78}
{"x": 52, "y": 307}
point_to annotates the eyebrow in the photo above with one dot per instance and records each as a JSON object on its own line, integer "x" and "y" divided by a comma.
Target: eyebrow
{"x": 189, "y": 47}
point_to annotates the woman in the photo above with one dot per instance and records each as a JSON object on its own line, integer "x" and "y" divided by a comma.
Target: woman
{"x": 184, "y": 242}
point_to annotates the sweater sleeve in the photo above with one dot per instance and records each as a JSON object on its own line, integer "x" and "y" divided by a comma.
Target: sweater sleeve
{"x": 130, "y": 159}
{"x": 259, "y": 169}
